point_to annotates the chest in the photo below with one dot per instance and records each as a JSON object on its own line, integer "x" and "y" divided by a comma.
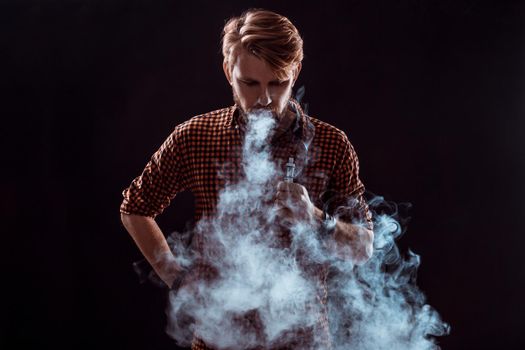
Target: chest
{"x": 221, "y": 161}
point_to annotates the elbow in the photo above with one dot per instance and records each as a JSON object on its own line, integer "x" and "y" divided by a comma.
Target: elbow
{"x": 129, "y": 220}
{"x": 125, "y": 219}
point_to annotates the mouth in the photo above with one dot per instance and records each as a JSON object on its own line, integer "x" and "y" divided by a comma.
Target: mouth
{"x": 262, "y": 111}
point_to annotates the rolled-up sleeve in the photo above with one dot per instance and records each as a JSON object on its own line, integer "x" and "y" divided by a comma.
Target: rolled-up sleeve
{"x": 163, "y": 177}
{"x": 346, "y": 200}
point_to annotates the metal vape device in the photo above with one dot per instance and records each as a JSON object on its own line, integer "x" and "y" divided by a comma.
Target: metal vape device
{"x": 290, "y": 170}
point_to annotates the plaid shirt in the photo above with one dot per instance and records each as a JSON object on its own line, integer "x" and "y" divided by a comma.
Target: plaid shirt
{"x": 204, "y": 153}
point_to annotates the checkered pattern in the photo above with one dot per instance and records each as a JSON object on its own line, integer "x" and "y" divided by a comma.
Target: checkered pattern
{"x": 205, "y": 153}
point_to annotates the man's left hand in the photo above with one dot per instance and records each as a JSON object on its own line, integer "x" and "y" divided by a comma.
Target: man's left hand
{"x": 293, "y": 204}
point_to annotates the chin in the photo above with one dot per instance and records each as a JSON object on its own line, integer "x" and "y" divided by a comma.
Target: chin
{"x": 262, "y": 110}
{"x": 274, "y": 113}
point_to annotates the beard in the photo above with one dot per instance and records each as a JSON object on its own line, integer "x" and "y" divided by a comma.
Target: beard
{"x": 277, "y": 115}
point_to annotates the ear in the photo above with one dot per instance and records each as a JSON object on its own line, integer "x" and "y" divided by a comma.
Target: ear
{"x": 297, "y": 70}
{"x": 227, "y": 72}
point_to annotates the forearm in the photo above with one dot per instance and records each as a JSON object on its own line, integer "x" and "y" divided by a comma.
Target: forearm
{"x": 353, "y": 241}
{"x": 150, "y": 240}
{"x": 350, "y": 241}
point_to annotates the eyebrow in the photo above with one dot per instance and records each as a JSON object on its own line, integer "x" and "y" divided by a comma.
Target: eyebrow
{"x": 250, "y": 80}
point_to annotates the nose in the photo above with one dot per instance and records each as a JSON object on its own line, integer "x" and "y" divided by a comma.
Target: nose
{"x": 264, "y": 98}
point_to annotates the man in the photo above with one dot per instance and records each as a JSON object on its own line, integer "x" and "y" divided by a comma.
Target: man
{"x": 262, "y": 59}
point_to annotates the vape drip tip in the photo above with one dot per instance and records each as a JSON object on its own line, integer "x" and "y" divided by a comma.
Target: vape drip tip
{"x": 290, "y": 170}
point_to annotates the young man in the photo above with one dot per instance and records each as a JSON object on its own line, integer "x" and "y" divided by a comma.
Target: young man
{"x": 262, "y": 60}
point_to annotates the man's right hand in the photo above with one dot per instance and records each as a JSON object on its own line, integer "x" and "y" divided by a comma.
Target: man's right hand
{"x": 152, "y": 243}
{"x": 167, "y": 268}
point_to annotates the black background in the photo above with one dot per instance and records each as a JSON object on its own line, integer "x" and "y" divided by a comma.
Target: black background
{"x": 431, "y": 94}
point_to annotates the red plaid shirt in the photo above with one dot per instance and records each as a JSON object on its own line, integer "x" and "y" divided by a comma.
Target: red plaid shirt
{"x": 204, "y": 153}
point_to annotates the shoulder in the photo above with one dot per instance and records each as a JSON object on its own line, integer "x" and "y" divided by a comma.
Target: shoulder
{"x": 327, "y": 133}
{"x": 210, "y": 120}
{"x": 203, "y": 124}
{"x": 197, "y": 129}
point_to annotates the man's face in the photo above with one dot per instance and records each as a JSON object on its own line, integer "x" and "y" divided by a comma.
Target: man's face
{"x": 255, "y": 86}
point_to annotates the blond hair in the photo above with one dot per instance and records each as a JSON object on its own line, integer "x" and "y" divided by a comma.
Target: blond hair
{"x": 267, "y": 35}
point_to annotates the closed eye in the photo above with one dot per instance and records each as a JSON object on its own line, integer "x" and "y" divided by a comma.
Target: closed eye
{"x": 279, "y": 83}
{"x": 272, "y": 83}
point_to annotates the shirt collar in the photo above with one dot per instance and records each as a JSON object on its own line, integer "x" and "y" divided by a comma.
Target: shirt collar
{"x": 228, "y": 121}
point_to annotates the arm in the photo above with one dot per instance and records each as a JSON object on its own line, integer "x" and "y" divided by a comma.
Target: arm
{"x": 146, "y": 197}
{"x": 350, "y": 241}
{"x": 347, "y": 241}
{"x": 353, "y": 234}
{"x": 151, "y": 241}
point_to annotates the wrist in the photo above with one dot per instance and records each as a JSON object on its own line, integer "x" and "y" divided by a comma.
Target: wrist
{"x": 326, "y": 222}
{"x": 164, "y": 261}
{"x": 166, "y": 267}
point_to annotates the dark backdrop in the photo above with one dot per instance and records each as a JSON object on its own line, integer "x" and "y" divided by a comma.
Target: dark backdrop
{"x": 431, "y": 94}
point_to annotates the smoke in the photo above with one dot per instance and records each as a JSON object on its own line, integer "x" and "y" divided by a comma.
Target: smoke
{"x": 378, "y": 305}
{"x": 258, "y": 292}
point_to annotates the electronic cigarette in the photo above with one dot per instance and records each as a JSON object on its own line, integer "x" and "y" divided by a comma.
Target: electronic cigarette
{"x": 290, "y": 170}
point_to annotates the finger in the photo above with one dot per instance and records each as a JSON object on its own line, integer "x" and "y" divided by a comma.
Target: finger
{"x": 292, "y": 198}
{"x": 284, "y": 217}
{"x": 284, "y": 186}
{"x": 292, "y": 203}
{"x": 299, "y": 189}
{"x": 283, "y": 196}
{"x": 280, "y": 204}
{"x": 291, "y": 187}
{"x": 283, "y": 211}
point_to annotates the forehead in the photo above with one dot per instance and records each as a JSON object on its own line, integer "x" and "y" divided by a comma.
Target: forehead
{"x": 247, "y": 65}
